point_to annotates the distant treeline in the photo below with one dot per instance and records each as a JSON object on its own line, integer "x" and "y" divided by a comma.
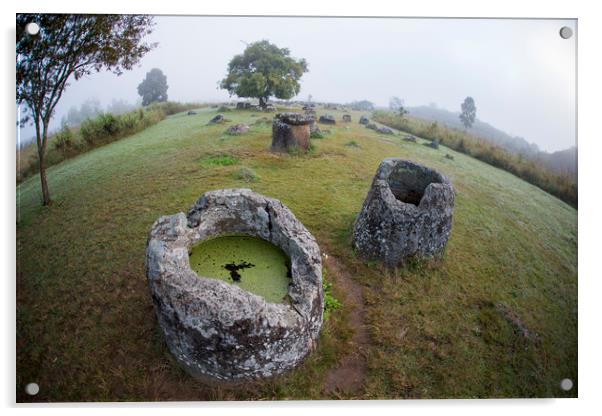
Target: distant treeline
{"x": 563, "y": 186}
{"x": 94, "y": 132}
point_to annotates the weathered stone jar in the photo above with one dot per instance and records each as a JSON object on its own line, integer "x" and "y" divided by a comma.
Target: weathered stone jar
{"x": 407, "y": 214}
{"x": 218, "y": 331}
{"x": 291, "y": 131}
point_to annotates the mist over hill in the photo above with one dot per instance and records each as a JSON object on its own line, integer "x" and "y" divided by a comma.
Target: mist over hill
{"x": 563, "y": 161}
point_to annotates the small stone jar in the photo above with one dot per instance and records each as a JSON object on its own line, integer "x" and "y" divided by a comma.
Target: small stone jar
{"x": 407, "y": 214}
{"x": 290, "y": 131}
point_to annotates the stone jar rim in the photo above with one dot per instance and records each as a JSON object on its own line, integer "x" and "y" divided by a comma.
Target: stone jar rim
{"x": 386, "y": 169}
{"x": 190, "y": 232}
{"x": 295, "y": 119}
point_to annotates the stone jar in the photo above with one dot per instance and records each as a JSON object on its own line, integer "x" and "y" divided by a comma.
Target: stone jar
{"x": 290, "y": 131}
{"x": 217, "y": 331}
{"x": 407, "y": 214}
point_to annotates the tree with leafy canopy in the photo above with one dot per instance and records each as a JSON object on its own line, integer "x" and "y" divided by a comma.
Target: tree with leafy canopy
{"x": 154, "y": 87}
{"x": 469, "y": 112}
{"x": 396, "y": 104}
{"x": 68, "y": 47}
{"x": 264, "y": 70}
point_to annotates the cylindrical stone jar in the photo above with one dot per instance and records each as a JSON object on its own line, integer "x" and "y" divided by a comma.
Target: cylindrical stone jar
{"x": 406, "y": 214}
{"x": 290, "y": 131}
{"x": 216, "y": 330}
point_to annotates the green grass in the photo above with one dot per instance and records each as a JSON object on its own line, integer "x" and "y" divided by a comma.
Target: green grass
{"x": 85, "y": 323}
{"x": 219, "y": 160}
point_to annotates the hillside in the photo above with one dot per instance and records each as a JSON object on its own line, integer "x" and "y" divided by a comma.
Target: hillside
{"x": 86, "y": 329}
{"x": 561, "y": 161}
{"x": 564, "y": 161}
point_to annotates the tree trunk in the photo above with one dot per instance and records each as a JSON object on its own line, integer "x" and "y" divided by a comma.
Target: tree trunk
{"x": 262, "y": 102}
{"x": 45, "y": 192}
{"x": 41, "y": 142}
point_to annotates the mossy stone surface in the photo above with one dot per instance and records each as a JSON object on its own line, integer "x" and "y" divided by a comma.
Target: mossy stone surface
{"x": 262, "y": 267}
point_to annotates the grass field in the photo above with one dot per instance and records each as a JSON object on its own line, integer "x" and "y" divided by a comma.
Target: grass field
{"x": 86, "y": 328}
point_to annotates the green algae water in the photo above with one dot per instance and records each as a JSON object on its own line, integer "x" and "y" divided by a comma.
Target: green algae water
{"x": 251, "y": 263}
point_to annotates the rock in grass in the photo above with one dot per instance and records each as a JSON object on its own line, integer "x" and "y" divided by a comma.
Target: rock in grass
{"x": 217, "y": 331}
{"x": 313, "y": 127}
{"x": 364, "y": 120}
{"x": 407, "y": 214}
{"x": 237, "y": 129}
{"x": 385, "y": 130}
{"x": 191, "y": 113}
{"x": 434, "y": 144}
{"x": 448, "y": 156}
{"x": 371, "y": 126}
{"x": 217, "y": 119}
{"x": 409, "y": 138}
{"x": 309, "y": 110}
{"x": 327, "y": 119}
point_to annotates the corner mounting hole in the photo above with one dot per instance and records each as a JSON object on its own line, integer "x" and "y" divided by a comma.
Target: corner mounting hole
{"x": 32, "y": 389}
{"x": 566, "y": 384}
{"x": 566, "y": 32}
{"x": 32, "y": 28}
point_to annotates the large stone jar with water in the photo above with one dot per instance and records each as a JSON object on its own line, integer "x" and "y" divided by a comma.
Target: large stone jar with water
{"x": 215, "y": 329}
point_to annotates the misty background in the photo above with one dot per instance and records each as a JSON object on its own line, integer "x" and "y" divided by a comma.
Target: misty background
{"x": 521, "y": 73}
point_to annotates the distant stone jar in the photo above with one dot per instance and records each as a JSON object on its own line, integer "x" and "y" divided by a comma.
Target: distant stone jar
{"x": 217, "y": 119}
{"x": 346, "y": 118}
{"x": 407, "y": 214}
{"x": 216, "y": 330}
{"x": 290, "y": 131}
{"x": 327, "y": 119}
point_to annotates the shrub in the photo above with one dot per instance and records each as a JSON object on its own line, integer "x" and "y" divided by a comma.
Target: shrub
{"x": 169, "y": 108}
{"x": 109, "y": 124}
{"x": 89, "y": 130}
{"x": 330, "y": 302}
{"x": 63, "y": 140}
{"x": 317, "y": 134}
{"x": 129, "y": 121}
{"x": 246, "y": 174}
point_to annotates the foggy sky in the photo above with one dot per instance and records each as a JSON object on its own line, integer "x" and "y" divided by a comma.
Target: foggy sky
{"x": 520, "y": 72}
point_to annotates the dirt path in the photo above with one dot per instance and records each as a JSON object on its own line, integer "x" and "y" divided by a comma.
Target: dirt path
{"x": 349, "y": 376}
